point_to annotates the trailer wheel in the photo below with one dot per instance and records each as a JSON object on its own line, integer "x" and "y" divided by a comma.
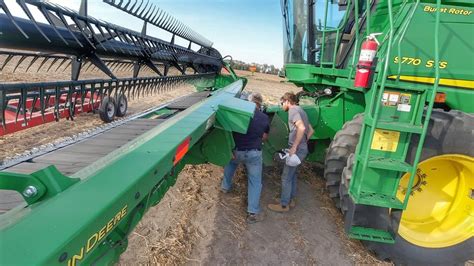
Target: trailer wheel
{"x": 437, "y": 227}
{"x": 343, "y": 144}
{"x": 122, "y": 105}
{"x": 107, "y": 109}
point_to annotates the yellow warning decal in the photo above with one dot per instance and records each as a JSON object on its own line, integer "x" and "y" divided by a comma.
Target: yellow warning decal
{"x": 385, "y": 140}
{"x": 468, "y": 84}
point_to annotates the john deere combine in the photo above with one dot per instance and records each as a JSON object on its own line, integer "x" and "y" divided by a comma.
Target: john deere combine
{"x": 388, "y": 86}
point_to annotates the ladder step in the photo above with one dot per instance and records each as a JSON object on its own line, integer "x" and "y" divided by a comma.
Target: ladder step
{"x": 377, "y": 199}
{"x": 389, "y": 164}
{"x": 371, "y": 234}
{"x": 400, "y": 126}
{"x": 396, "y": 126}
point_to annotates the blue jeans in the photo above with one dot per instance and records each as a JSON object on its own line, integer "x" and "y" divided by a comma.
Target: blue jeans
{"x": 253, "y": 162}
{"x": 289, "y": 179}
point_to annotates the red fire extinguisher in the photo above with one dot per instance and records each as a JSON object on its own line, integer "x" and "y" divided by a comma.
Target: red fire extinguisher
{"x": 364, "y": 69}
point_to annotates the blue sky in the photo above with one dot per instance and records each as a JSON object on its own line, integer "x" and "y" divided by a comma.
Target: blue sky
{"x": 249, "y": 30}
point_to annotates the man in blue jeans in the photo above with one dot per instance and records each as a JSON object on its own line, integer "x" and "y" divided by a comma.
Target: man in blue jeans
{"x": 300, "y": 132}
{"x": 248, "y": 150}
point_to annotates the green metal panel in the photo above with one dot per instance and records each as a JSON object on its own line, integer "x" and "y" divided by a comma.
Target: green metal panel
{"x": 277, "y": 139}
{"x": 165, "y": 112}
{"x": 326, "y": 115}
{"x": 217, "y": 147}
{"x": 235, "y": 115}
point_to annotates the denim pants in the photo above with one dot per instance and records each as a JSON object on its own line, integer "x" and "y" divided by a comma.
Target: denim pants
{"x": 289, "y": 179}
{"x": 252, "y": 159}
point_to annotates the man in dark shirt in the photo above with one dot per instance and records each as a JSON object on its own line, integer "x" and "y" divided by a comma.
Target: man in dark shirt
{"x": 248, "y": 150}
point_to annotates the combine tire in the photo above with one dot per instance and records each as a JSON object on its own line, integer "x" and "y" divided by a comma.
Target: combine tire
{"x": 107, "y": 109}
{"x": 343, "y": 144}
{"x": 122, "y": 105}
{"x": 437, "y": 228}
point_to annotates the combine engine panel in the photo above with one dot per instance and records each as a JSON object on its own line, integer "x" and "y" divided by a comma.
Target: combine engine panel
{"x": 398, "y": 152}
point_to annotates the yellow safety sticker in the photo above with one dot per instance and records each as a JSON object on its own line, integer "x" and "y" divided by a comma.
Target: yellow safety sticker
{"x": 385, "y": 140}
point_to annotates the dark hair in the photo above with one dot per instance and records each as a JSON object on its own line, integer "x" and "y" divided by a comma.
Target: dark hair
{"x": 289, "y": 96}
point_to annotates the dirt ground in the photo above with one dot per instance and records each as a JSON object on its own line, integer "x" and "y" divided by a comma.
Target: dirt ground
{"x": 197, "y": 224}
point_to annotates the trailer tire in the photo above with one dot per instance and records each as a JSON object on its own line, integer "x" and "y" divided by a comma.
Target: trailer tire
{"x": 107, "y": 109}
{"x": 122, "y": 105}
{"x": 343, "y": 144}
{"x": 448, "y": 133}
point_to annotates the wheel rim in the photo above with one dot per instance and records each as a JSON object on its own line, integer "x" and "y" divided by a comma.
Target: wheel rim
{"x": 122, "y": 105}
{"x": 440, "y": 211}
{"x": 110, "y": 109}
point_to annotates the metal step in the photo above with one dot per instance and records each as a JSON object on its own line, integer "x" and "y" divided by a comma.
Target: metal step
{"x": 388, "y": 164}
{"x": 400, "y": 126}
{"x": 378, "y": 199}
{"x": 395, "y": 126}
{"x": 370, "y": 234}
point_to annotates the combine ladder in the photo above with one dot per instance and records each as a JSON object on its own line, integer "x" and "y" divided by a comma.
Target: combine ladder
{"x": 391, "y": 118}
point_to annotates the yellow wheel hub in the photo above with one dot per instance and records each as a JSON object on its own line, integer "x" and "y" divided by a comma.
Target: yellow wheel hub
{"x": 440, "y": 211}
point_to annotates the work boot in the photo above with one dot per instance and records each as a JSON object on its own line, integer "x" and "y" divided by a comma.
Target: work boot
{"x": 292, "y": 203}
{"x": 278, "y": 208}
{"x": 253, "y": 218}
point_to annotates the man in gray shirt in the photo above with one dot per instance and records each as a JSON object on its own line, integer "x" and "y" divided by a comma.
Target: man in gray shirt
{"x": 300, "y": 132}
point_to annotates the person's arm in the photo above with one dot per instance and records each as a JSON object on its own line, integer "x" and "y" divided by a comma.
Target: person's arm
{"x": 300, "y": 129}
{"x": 310, "y": 131}
{"x": 265, "y": 137}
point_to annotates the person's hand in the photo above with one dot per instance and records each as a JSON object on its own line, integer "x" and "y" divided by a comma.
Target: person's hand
{"x": 292, "y": 151}
{"x": 233, "y": 155}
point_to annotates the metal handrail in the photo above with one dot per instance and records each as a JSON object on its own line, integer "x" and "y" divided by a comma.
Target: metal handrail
{"x": 381, "y": 79}
{"x": 430, "y": 104}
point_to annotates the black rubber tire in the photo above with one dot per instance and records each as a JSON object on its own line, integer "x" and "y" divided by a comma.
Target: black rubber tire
{"x": 107, "y": 109}
{"x": 343, "y": 144}
{"x": 448, "y": 133}
{"x": 122, "y": 105}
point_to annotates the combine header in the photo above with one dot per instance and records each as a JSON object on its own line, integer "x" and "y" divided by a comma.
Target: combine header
{"x": 77, "y": 42}
{"x": 80, "y": 200}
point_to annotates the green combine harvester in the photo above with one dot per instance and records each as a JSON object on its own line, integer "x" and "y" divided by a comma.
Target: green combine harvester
{"x": 389, "y": 88}
{"x": 387, "y": 85}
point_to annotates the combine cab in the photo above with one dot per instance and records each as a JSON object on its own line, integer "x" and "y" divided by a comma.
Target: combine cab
{"x": 388, "y": 87}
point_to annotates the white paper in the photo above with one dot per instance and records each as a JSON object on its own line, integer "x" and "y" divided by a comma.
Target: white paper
{"x": 404, "y": 107}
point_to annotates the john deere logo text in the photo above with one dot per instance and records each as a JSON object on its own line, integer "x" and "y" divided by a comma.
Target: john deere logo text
{"x": 95, "y": 238}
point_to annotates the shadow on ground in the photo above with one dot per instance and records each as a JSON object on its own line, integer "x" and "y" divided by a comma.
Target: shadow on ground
{"x": 311, "y": 233}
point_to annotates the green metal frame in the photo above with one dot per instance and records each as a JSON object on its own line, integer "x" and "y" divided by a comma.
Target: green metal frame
{"x": 86, "y": 222}
{"x": 412, "y": 43}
